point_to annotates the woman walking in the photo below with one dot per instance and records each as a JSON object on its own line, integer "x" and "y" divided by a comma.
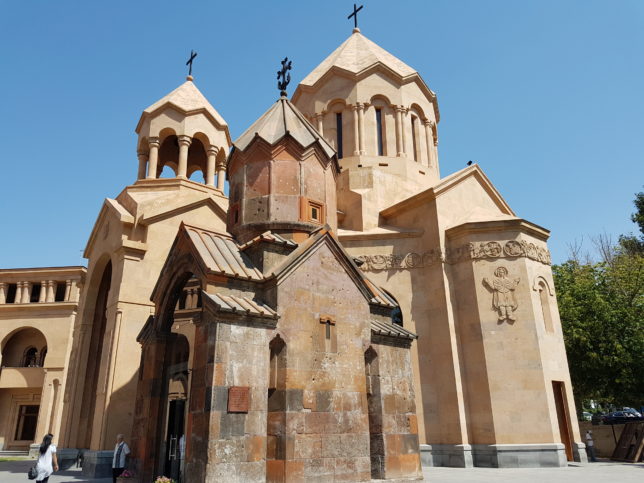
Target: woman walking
{"x": 47, "y": 460}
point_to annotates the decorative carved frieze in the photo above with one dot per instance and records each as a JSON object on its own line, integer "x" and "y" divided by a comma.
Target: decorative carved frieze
{"x": 499, "y": 249}
{"x": 401, "y": 262}
{"x": 469, "y": 251}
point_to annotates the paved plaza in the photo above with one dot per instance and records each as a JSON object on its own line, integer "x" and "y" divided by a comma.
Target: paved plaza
{"x": 602, "y": 472}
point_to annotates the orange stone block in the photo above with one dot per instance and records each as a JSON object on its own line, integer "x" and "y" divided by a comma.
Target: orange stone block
{"x": 275, "y": 471}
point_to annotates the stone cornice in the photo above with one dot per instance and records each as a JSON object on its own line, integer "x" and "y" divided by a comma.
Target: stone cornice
{"x": 495, "y": 226}
{"x": 40, "y": 307}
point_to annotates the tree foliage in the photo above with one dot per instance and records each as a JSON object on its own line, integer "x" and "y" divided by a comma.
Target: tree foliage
{"x": 602, "y": 314}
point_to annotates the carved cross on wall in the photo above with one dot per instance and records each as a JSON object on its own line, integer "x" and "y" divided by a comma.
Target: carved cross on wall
{"x": 355, "y": 15}
{"x": 193, "y": 54}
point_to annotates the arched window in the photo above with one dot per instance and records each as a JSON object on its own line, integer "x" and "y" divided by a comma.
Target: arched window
{"x": 338, "y": 131}
{"x": 379, "y": 133}
{"x": 30, "y": 357}
{"x": 414, "y": 136}
{"x": 544, "y": 297}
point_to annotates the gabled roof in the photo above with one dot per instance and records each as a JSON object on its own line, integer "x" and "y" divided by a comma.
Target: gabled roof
{"x": 373, "y": 294}
{"x": 391, "y": 330}
{"x": 240, "y": 305}
{"x": 281, "y": 119}
{"x": 221, "y": 254}
{"x": 355, "y": 55}
{"x": 269, "y": 237}
{"x": 445, "y": 185}
{"x": 187, "y": 99}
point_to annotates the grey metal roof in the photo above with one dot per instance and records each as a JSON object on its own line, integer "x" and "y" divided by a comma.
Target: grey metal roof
{"x": 221, "y": 254}
{"x": 269, "y": 236}
{"x": 391, "y": 330}
{"x": 281, "y": 119}
{"x": 242, "y": 305}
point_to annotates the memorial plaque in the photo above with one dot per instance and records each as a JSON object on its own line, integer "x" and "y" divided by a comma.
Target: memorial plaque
{"x": 238, "y": 399}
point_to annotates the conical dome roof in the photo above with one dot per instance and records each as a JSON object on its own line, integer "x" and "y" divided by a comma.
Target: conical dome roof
{"x": 355, "y": 55}
{"x": 187, "y": 99}
{"x": 281, "y": 119}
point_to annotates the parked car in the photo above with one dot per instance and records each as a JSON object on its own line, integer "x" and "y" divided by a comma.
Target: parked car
{"x": 621, "y": 417}
{"x": 586, "y": 416}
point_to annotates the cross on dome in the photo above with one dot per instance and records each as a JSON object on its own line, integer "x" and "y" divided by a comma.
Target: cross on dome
{"x": 355, "y": 15}
{"x": 193, "y": 54}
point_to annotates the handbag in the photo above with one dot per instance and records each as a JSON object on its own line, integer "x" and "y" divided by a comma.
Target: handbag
{"x": 32, "y": 474}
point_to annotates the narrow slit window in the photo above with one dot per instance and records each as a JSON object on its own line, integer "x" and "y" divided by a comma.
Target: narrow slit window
{"x": 414, "y": 136}
{"x": 379, "y": 132}
{"x": 338, "y": 128}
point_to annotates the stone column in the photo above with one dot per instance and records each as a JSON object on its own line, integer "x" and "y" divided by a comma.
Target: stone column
{"x": 43, "y": 292}
{"x": 143, "y": 164}
{"x": 429, "y": 138}
{"x": 68, "y": 289}
{"x": 356, "y": 130}
{"x": 404, "y": 125}
{"x": 210, "y": 168}
{"x": 221, "y": 175}
{"x": 184, "y": 144}
{"x": 51, "y": 293}
{"x": 18, "y": 297}
{"x": 361, "y": 108}
{"x": 320, "y": 122}
{"x": 154, "y": 157}
{"x": 3, "y": 293}
{"x": 26, "y": 292}
{"x": 399, "y": 143}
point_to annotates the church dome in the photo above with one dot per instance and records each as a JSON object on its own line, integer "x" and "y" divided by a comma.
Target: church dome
{"x": 282, "y": 176}
{"x": 355, "y": 56}
{"x": 370, "y": 105}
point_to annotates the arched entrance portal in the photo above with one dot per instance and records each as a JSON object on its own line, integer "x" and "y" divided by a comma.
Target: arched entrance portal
{"x": 176, "y": 380}
{"x": 99, "y": 323}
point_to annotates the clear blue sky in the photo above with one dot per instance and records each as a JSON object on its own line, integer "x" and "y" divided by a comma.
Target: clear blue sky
{"x": 546, "y": 95}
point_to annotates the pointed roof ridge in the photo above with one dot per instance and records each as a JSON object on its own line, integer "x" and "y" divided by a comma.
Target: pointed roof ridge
{"x": 188, "y": 98}
{"x": 280, "y": 119}
{"x": 355, "y": 55}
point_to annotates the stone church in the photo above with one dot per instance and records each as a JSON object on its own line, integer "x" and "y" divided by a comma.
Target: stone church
{"x": 346, "y": 313}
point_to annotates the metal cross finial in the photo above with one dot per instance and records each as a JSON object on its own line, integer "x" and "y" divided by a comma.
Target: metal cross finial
{"x": 193, "y": 54}
{"x": 284, "y": 76}
{"x": 355, "y": 15}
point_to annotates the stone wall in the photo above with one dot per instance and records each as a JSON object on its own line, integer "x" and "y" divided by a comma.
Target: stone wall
{"x": 392, "y": 411}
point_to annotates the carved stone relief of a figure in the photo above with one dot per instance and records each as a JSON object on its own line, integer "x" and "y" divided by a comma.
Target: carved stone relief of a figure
{"x": 503, "y": 298}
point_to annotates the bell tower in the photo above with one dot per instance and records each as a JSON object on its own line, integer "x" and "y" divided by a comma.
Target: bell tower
{"x": 184, "y": 132}
{"x": 126, "y": 251}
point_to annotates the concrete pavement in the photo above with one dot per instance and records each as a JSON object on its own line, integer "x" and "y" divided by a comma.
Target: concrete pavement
{"x": 602, "y": 472}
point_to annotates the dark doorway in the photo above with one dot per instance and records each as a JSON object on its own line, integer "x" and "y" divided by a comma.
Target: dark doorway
{"x": 563, "y": 417}
{"x": 175, "y": 441}
{"x": 26, "y": 424}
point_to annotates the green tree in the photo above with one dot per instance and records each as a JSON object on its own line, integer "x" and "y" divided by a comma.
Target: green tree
{"x": 602, "y": 314}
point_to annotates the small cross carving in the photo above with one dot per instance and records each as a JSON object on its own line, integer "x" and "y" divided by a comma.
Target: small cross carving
{"x": 355, "y": 15}
{"x": 284, "y": 76}
{"x": 193, "y": 54}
